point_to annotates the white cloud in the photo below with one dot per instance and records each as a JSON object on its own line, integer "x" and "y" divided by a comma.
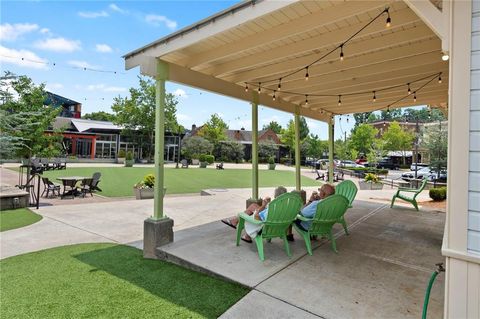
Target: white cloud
{"x": 45, "y": 31}
{"x": 53, "y": 86}
{"x": 81, "y": 64}
{"x": 115, "y": 8}
{"x": 30, "y": 59}
{"x": 157, "y": 20}
{"x": 180, "y": 93}
{"x": 58, "y": 45}
{"x": 103, "y": 48}
{"x": 10, "y": 32}
{"x": 93, "y": 15}
{"x": 106, "y": 88}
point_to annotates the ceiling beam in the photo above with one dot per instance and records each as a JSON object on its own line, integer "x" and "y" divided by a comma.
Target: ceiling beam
{"x": 276, "y": 70}
{"x": 293, "y": 27}
{"x": 198, "y": 80}
{"x": 323, "y": 42}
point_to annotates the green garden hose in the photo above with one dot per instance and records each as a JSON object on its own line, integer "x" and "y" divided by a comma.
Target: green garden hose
{"x": 429, "y": 288}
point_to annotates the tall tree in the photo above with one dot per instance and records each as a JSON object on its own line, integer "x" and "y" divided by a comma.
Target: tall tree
{"x": 25, "y": 118}
{"x": 136, "y": 114}
{"x": 214, "y": 129}
{"x": 398, "y": 139}
{"x": 435, "y": 139}
{"x": 100, "y": 116}
{"x": 362, "y": 138}
{"x": 274, "y": 126}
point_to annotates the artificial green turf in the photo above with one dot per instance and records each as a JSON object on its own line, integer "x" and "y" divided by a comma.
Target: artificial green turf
{"x": 119, "y": 181}
{"x": 108, "y": 281}
{"x": 16, "y": 218}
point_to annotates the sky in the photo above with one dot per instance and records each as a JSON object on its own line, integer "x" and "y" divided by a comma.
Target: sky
{"x": 53, "y": 41}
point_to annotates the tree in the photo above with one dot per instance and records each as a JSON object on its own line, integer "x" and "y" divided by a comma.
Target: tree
{"x": 398, "y": 139}
{"x": 136, "y": 114}
{"x": 25, "y": 119}
{"x": 436, "y": 141}
{"x": 288, "y": 134}
{"x": 267, "y": 149}
{"x": 376, "y": 153}
{"x": 100, "y": 116}
{"x": 362, "y": 138}
{"x": 229, "y": 151}
{"x": 274, "y": 126}
{"x": 341, "y": 149}
{"x": 214, "y": 129}
{"x": 314, "y": 146}
{"x": 194, "y": 146}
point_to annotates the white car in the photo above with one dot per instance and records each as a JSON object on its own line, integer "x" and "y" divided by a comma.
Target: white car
{"x": 349, "y": 164}
{"x": 424, "y": 172}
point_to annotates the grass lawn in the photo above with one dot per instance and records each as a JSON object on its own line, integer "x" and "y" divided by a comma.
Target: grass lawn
{"x": 119, "y": 181}
{"x": 16, "y": 218}
{"x": 108, "y": 281}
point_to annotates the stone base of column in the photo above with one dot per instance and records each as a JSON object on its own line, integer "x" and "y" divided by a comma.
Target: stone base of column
{"x": 302, "y": 194}
{"x": 156, "y": 233}
{"x": 251, "y": 201}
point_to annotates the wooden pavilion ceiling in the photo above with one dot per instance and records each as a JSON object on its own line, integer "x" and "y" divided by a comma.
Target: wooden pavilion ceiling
{"x": 279, "y": 42}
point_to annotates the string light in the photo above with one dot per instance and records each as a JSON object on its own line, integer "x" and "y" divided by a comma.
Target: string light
{"x": 274, "y": 97}
{"x": 306, "y": 73}
{"x": 374, "y": 97}
{"x": 246, "y": 87}
{"x": 306, "y": 100}
{"x": 440, "y": 78}
{"x": 279, "y": 84}
{"x": 388, "y": 110}
{"x": 339, "y": 100}
{"x": 259, "y": 87}
{"x": 409, "y": 90}
{"x": 341, "y": 52}
{"x": 322, "y": 111}
{"x": 389, "y": 20}
{"x": 445, "y": 57}
{"x": 340, "y": 118}
{"x": 348, "y": 117}
{"x": 415, "y": 96}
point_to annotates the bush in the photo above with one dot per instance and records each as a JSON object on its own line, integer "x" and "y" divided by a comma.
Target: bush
{"x": 129, "y": 156}
{"x": 209, "y": 159}
{"x": 202, "y": 157}
{"x": 121, "y": 153}
{"x": 438, "y": 194}
{"x": 271, "y": 160}
{"x": 149, "y": 180}
{"x": 267, "y": 149}
{"x": 195, "y": 145}
{"x": 229, "y": 151}
{"x": 372, "y": 178}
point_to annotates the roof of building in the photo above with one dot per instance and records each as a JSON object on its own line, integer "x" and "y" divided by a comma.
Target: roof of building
{"x": 57, "y": 100}
{"x": 82, "y": 125}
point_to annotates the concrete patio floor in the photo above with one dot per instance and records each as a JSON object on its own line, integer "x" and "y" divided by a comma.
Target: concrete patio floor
{"x": 381, "y": 271}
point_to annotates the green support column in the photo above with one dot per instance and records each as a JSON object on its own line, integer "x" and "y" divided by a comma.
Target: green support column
{"x": 331, "y": 131}
{"x": 254, "y": 145}
{"x": 298, "y": 181}
{"x": 162, "y": 76}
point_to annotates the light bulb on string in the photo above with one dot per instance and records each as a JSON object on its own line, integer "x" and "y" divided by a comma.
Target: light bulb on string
{"x": 274, "y": 97}
{"x": 340, "y": 118}
{"x": 374, "y": 97}
{"x": 409, "y": 90}
{"x": 339, "y": 100}
{"x": 279, "y": 84}
{"x": 246, "y": 87}
{"x": 306, "y": 73}
{"x": 388, "y": 111}
{"x": 306, "y": 100}
{"x": 347, "y": 118}
{"x": 384, "y": 124}
{"x": 259, "y": 87}
{"x": 322, "y": 111}
{"x": 414, "y": 96}
{"x": 341, "y": 53}
{"x": 439, "y": 79}
{"x": 389, "y": 20}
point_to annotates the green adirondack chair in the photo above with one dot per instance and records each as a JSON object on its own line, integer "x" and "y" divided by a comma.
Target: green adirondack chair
{"x": 282, "y": 211}
{"x": 348, "y": 189}
{"x": 409, "y": 194}
{"x": 329, "y": 211}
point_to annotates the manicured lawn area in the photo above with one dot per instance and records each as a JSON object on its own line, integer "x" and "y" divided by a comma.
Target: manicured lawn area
{"x": 108, "y": 281}
{"x": 118, "y": 181}
{"x": 16, "y": 218}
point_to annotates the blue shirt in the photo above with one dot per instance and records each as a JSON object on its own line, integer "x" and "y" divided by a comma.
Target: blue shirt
{"x": 263, "y": 214}
{"x": 309, "y": 212}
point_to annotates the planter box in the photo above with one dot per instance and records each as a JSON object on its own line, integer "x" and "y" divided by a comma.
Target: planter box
{"x": 129, "y": 163}
{"x": 121, "y": 160}
{"x": 271, "y": 167}
{"x": 203, "y": 164}
{"x": 370, "y": 186}
{"x": 195, "y": 162}
{"x": 145, "y": 193}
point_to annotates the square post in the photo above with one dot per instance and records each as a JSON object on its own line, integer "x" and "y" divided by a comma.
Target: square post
{"x": 254, "y": 145}
{"x": 298, "y": 182}
{"x": 331, "y": 131}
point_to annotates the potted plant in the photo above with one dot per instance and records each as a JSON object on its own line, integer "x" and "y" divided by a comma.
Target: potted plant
{"x": 203, "y": 160}
{"x": 129, "y": 159}
{"x": 271, "y": 163}
{"x": 145, "y": 188}
{"x": 371, "y": 182}
{"x": 121, "y": 157}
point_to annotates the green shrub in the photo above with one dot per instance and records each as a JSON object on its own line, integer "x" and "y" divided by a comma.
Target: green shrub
{"x": 438, "y": 194}
{"x": 202, "y": 157}
{"x": 271, "y": 160}
{"x": 129, "y": 156}
{"x": 121, "y": 153}
{"x": 149, "y": 180}
{"x": 370, "y": 177}
{"x": 209, "y": 159}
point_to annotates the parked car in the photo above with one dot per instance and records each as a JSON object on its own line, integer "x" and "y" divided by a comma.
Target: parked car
{"x": 388, "y": 163}
{"x": 349, "y": 164}
{"x": 361, "y": 161}
{"x": 426, "y": 172}
{"x": 416, "y": 166}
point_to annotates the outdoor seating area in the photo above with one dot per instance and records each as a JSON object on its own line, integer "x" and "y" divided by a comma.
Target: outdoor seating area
{"x": 46, "y": 164}
{"x": 73, "y": 186}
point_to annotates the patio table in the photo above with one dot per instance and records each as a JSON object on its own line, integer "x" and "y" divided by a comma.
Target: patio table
{"x": 75, "y": 192}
